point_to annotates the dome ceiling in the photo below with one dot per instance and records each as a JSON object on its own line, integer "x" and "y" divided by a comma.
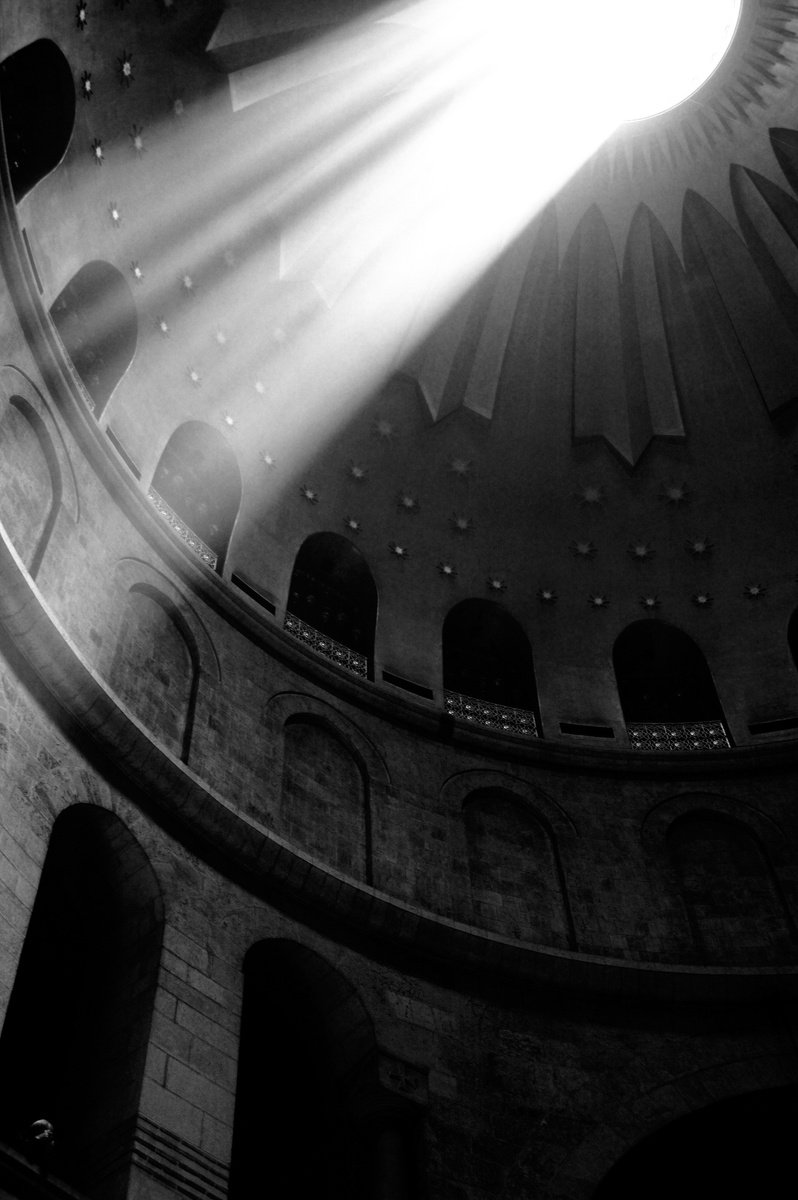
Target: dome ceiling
{"x": 600, "y": 427}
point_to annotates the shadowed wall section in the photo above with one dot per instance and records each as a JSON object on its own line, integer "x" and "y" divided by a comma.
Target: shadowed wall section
{"x": 517, "y": 887}
{"x": 95, "y": 931}
{"x": 324, "y": 805}
{"x": 735, "y": 907}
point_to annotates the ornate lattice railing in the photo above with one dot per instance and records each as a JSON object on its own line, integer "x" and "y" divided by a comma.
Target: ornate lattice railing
{"x": 178, "y": 526}
{"x": 341, "y": 655}
{"x": 678, "y": 735}
{"x": 492, "y": 716}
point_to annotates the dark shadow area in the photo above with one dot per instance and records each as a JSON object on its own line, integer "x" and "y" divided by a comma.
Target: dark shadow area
{"x": 37, "y": 102}
{"x": 486, "y": 655}
{"x": 332, "y": 589}
{"x": 743, "y": 1147}
{"x": 663, "y": 676}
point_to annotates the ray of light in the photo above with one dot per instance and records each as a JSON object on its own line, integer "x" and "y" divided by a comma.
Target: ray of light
{"x": 410, "y": 149}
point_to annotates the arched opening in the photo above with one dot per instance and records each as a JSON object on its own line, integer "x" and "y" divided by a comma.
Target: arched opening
{"x": 325, "y": 801}
{"x": 155, "y": 667}
{"x": 333, "y": 592}
{"x": 37, "y": 103}
{"x": 30, "y": 497}
{"x": 666, "y": 690}
{"x": 197, "y": 489}
{"x": 308, "y": 1077}
{"x": 486, "y": 656}
{"x": 743, "y": 1146}
{"x": 735, "y": 906}
{"x": 517, "y": 886}
{"x": 75, "y": 1038}
{"x": 95, "y": 315}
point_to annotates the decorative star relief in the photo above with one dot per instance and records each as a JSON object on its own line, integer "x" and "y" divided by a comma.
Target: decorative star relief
{"x": 384, "y": 430}
{"x": 308, "y": 493}
{"x": 460, "y": 466}
{"x": 591, "y": 494}
{"x": 754, "y": 591}
{"x": 547, "y": 595}
{"x": 136, "y": 136}
{"x": 125, "y": 61}
{"x": 221, "y": 337}
{"x": 98, "y": 152}
{"x": 229, "y": 420}
{"x": 494, "y": 584}
{"x": 407, "y": 503}
{"x": 86, "y": 85}
{"x": 115, "y": 213}
{"x": 260, "y": 387}
{"x": 178, "y": 108}
{"x": 398, "y": 550}
{"x": 163, "y": 326}
{"x": 702, "y": 600}
{"x": 81, "y": 15}
{"x": 461, "y": 524}
{"x": 641, "y": 551}
{"x": 675, "y": 493}
{"x": 352, "y": 524}
{"x": 356, "y": 472}
{"x": 268, "y": 460}
{"x": 187, "y": 283}
{"x": 700, "y": 547}
{"x": 137, "y": 272}
{"x": 598, "y": 600}
{"x": 582, "y": 549}
{"x": 447, "y": 570}
{"x": 196, "y": 378}
{"x": 650, "y": 603}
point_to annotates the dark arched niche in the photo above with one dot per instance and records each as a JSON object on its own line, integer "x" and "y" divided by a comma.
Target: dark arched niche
{"x": 30, "y": 497}
{"x": 735, "y": 906}
{"x": 741, "y": 1147}
{"x": 198, "y": 477}
{"x": 517, "y": 886}
{"x": 75, "y": 1037}
{"x": 37, "y": 102}
{"x": 155, "y": 667}
{"x": 486, "y": 655}
{"x": 311, "y": 1118}
{"x": 325, "y": 801}
{"x": 332, "y": 590}
{"x": 95, "y": 315}
{"x": 662, "y": 675}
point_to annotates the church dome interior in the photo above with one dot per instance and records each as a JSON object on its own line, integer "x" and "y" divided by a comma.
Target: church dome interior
{"x": 398, "y": 598}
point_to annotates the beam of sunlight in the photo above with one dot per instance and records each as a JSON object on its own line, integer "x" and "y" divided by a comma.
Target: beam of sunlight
{"x": 373, "y": 174}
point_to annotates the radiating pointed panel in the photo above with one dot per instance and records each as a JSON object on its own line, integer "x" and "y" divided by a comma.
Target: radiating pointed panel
{"x": 654, "y": 285}
{"x": 717, "y": 254}
{"x": 768, "y": 217}
{"x": 538, "y": 253}
{"x": 433, "y": 362}
{"x": 785, "y": 147}
{"x": 604, "y": 403}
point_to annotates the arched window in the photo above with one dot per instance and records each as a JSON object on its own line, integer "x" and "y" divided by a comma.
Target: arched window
{"x": 75, "y": 1037}
{"x": 517, "y": 887}
{"x": 95, "y": 315}
{"x": 333, "y": 592}
{"x": 30, "y": 497}
{"x": 325, "y": 802}
{"x": 664, "y": 682}
{"x": 307, "y": 1079}
{"x": 37, "y": 102}
{"x": 734, "y": 904}
{"x": 197, "y": 487}
{"x": 486, "y": 656}
{"x": 155, "y": 667}
{"x": 742, "y": 1146}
